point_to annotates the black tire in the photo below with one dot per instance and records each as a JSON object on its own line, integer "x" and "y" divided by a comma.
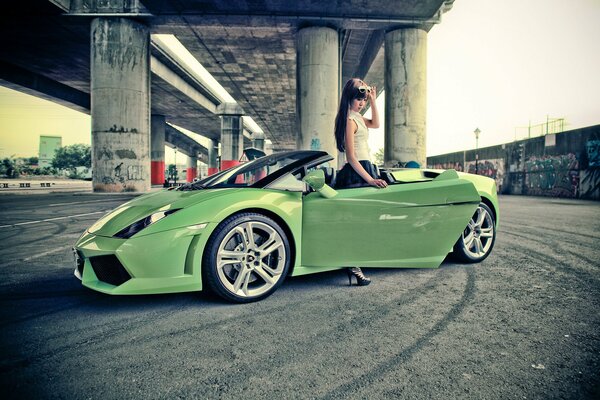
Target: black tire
{"x": 477, "y": 239}
{"x": 246, "y": 258}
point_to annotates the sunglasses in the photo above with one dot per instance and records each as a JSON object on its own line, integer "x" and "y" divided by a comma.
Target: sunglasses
{"x": 364, "y": 89}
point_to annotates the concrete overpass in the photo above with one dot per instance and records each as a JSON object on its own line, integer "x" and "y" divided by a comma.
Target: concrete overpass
{"x": 279, "y": 66}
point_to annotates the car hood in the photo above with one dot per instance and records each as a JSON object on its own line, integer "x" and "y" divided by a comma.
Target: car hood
{"x": 148, "y": 204}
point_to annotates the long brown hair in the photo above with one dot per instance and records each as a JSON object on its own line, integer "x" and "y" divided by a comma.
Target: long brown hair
{"x": 349, "y": 93}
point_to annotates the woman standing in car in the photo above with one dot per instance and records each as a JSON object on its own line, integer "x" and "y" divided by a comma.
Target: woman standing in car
{"x": 351, "y": 136}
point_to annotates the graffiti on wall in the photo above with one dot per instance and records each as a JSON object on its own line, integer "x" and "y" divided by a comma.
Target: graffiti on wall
{"x": 525, "y": 168}
{"x": 556, "y": 176}
{"x": 491, "y": 168}
{"x": 456, "y": 166}
{"x": 592, "y": 148}
{"x": 589, "y": 184}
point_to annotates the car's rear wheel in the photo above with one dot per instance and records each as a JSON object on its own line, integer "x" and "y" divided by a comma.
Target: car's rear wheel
{"x": 247, "y": 258}
{"x": 477, "y": 240}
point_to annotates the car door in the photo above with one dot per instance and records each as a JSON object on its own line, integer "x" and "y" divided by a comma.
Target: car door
{"x": 404, "y": 225}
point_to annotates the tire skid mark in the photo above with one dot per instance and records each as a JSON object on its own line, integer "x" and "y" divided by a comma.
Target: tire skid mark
{"x": 60, "y": 228}
{"x": 282, "y": 308}
{"x": 210, "y": 325}
{"x": 270, "y": 363}
{"x": 559, "y": 246}
{"x": 552, "y": 230}
{"x": 19, "y": 296}
{"x": 138, "y": 322}
{"x": 41, "y": 314}
{"x": 547, "y": 261}
{"x": 18, "y": 231}
{"x": 32, "y": 258}
{"x": 347, "y": 389}
{"x": 595, "y": 263}
{"x": 552, "y": 245}
{"x": 547, "y": 240}
{"x": 249, "y": 316}
{"x": 91, "y": 339}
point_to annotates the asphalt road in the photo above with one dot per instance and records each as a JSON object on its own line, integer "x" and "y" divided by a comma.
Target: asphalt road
{"x": 524, "y": 324}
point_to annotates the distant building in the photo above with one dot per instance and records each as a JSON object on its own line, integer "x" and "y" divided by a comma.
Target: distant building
{"x": 48, "y": 145}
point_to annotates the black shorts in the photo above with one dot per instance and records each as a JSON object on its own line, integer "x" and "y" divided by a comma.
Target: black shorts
{"x": 347, "y": 177}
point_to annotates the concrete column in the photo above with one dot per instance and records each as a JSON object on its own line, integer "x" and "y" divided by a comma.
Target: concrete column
{"x": 405, "y": 96}
{"x": 232, "y": 139}
{"x": 213, "y": 153}
{"x": 258, "y": 141}
{"x": 317, "y": 94}
{"x": 192, "y": 168}
{"x": 120, "y": 105}
{"x": 157, "y": 149}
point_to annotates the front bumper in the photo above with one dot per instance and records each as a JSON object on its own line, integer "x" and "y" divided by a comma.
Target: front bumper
{"x": 164, "y": 262}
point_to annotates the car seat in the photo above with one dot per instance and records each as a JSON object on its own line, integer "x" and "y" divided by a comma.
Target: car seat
{"x": 387, "y": 176}
{"x": 330, "y": 174}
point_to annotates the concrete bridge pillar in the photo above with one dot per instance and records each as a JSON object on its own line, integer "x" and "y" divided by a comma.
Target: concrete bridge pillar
{"x": 317, "y": 91}
{"x": 213, "y": 154}
{"x": 258, "y": 141}
{"x": 192, "y": 168}
{"x": 405, "y": 96}
{"x": 120, "y": 105}
{"x": 232, "y": 139}
{"x": 157, "y": 149}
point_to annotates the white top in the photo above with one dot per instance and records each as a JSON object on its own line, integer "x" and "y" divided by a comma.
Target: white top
{"x": 361, "y": 137}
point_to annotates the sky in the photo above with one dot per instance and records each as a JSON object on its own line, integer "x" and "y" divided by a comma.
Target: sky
{"x": 493, "y": 65}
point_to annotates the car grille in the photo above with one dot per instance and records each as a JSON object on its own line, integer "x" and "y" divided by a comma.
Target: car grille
{"x": 109, "y": 269}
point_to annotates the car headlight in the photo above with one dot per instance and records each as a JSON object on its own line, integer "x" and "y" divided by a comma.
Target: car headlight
{"x": 143, "y": 223}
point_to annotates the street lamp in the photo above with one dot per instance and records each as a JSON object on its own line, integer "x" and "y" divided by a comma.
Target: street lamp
{"x": 476, "y": 132}
{"x": 175, "y": 172}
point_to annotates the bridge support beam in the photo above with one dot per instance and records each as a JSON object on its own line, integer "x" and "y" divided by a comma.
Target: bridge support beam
{"x": 258, "y": 141}
{"x": 120, "y": 105}
{"x": 213, "y": 155}
{"x": 192, "y": 168}
{"x": 157, "y": 149}
{"x": 317, "y": 93}
{"x": 405, "y": 96}
{"x": 232, "y": 139}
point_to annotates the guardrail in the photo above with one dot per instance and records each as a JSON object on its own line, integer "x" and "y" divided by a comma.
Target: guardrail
{"x": 24, "y": 185}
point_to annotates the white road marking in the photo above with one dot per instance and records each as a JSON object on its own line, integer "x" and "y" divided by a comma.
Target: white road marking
{"x": 80, "y": 202}
{"x": 45, "y": 253}
{"x": 51, "y": 219}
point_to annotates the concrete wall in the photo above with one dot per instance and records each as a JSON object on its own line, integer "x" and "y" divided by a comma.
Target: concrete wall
{"x": 566, "y": 164}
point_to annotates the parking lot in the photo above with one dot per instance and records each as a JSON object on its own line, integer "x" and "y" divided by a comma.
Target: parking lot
{"x": 524, "y": 324}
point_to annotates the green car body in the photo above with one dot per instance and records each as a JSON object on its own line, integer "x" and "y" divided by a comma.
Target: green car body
{"x": 414, "y": 222}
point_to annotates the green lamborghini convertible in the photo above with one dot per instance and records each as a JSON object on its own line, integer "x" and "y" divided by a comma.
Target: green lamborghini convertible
{"x": 240, "y": 232}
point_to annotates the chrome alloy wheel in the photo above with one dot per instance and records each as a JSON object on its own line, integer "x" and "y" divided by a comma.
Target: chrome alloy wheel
{"x": 478, "y": 236}
{"x": 251, "y": 259}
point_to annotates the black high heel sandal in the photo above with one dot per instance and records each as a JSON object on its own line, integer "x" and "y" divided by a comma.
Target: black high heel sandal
{"x": 361, "y": 279}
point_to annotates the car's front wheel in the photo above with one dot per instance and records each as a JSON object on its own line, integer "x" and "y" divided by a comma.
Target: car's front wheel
{"x": 477, "y": 240}
{"x": 247, "y": 258}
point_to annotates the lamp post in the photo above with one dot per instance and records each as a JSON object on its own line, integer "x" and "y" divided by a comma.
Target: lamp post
{"x": 175, "y": 172}
{"x": 476, "y": 132}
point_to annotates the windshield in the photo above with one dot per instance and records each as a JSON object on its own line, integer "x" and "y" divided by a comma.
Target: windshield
{"x": 253, "y": 172}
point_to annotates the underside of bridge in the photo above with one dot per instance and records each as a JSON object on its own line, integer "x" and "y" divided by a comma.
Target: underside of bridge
{"x": 262, "y": 53}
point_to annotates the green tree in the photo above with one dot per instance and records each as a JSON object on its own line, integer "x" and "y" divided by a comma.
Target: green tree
{"x": 379, "y": 157}
{"x": 70, "y": 157}
{"x": 172, "y": 173}
{"x": 9, "y": 168}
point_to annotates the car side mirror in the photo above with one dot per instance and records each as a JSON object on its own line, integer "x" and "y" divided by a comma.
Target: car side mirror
{"x": 316, "y": 180}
